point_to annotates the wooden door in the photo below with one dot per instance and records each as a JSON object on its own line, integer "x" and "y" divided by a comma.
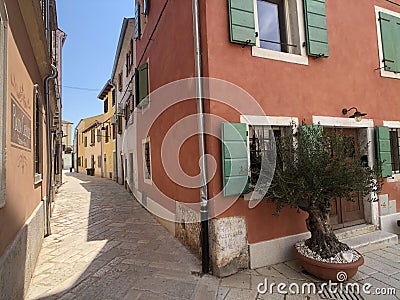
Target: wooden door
{"x": 345, "y": 213}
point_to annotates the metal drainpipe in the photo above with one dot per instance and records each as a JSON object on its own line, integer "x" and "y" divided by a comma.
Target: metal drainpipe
{"x": 49, "y": 152}
{"x": 201, "y": 127}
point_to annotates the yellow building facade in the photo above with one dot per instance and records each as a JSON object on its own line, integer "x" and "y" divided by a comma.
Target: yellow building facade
{"x": 109, "y": 134}
{"x": 89, "y": 145}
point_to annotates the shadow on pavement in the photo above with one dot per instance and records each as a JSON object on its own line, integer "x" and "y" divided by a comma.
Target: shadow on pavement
{"x": 137, "y": 259}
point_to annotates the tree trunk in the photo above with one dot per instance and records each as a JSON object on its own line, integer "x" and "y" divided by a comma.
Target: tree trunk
{"x": 323, "y": 241}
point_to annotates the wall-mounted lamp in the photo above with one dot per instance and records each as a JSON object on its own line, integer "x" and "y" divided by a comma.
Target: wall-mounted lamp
{"x": 357, "y": 115}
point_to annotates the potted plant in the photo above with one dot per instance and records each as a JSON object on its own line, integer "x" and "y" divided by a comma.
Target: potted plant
{"x": 313, "y": 167}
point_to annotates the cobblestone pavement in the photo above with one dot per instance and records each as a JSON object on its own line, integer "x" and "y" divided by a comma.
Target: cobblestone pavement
{"x": 106, "y": 246}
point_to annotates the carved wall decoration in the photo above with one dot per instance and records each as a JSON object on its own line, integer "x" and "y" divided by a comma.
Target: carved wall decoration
{"x": 22, "y": 162}
{"x": 18, "y": 91}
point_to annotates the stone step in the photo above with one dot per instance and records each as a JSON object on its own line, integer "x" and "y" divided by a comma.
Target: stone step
{"x": 349, "y": 232}
{"x": 371, "y": 241}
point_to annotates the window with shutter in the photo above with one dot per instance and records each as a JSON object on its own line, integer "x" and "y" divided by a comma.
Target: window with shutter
{"x": 234, "y": 158}
{"x": 384, "y": 153}
{"x": 137, "y": 21}
{"x": 280, "y": 30}
{"x": 142, "y": 85}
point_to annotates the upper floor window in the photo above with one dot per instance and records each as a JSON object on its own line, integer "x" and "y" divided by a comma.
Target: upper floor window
{"x": 113, "y": 98}
{"x": 141, "y": 12}
{"x": 92, "y": 137}
{"x": 272, "y": 25}
{"x": 106, "y": 135}
{"x": 106, "y": 106}
{"x": 279, "y": 30}
{"x": 120, "y": 82}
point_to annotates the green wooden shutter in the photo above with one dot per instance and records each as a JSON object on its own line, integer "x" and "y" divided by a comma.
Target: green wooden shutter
{"x": 384, "y": 153}
{"x": 137, "y": 86}
{"x": 234, "y": 158}
{"x": 137, "y": 21}
{"x": 390, "y": 33}
{"x": 143, "y": 86}
{"x": 316, "y": 29}
{"x": 241, "y": 22}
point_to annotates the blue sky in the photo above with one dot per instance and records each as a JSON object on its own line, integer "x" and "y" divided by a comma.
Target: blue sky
{"x": 92, "y": 28}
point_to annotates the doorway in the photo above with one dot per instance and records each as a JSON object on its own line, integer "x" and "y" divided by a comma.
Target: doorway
{"x": 345, "y": 213}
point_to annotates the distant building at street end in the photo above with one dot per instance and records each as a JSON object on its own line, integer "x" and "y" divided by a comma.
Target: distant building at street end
{"x": 89, "y": 134}
{"x": 67, "y": 145}
{"x": 109, "y": 132}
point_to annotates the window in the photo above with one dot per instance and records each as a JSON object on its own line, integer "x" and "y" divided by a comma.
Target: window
{"x": 388, "y": 33}
{"x": 114, "y": 131}
{"x": 131, "y": 53}
{"x": 127, "y": 65}
{"x": 120, "y": 82}
{"x": 85, "y": 162}
{"x": 262, "y": 145}
{"x": 272, "y": 27}
{"x": 138, "y": 31}
{"x": 98, "y": 135}
{"x": 147, "y": 160}
{"x": 38, "y": 154}
{"x": 395, "y": 149}
{"x": 106, "y": 135}
{"x": 85, "y": 143}
{"x": 99, "y": 161}
{"x": 127, "y": 113}
{"x": 79, "y": 161}
{"x": 285, "y": 30}
{"x": 142, "y": 85}
{"x": 278, "y": 26}
{"x": 92, "y": 137}
{"x": 119, "y": 124}
{"x": 106, "y": 106}
{"x": 113, "y": 98}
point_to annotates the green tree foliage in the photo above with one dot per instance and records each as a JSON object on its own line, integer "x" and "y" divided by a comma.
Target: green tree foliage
{"x": 314, "y": 166}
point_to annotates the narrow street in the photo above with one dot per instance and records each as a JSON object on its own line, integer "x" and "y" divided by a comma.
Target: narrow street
{"x": 104, "y": 245}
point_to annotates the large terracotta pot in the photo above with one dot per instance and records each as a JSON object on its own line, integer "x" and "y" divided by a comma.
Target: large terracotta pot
{"x": 329, "y": 271}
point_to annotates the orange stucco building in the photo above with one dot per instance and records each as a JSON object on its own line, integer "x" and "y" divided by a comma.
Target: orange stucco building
{"x": 267, "y": 64}
{"x": 29, "y": 112}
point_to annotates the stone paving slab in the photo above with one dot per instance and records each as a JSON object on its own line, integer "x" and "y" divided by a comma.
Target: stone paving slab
{"x": 106, "y": 246}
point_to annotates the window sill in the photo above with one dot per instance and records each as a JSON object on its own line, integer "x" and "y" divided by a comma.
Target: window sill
{"x": 389, "y": 74}
{"x": 281, "y": 56}
{"x": 37, "y": 178}
{"x": 148, "y": 181}
{"x": 394, "y": 178}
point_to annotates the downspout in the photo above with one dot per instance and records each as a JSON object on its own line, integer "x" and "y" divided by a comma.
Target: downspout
{"x": 205, "y": 257}
{"x": 49, "y": 152}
